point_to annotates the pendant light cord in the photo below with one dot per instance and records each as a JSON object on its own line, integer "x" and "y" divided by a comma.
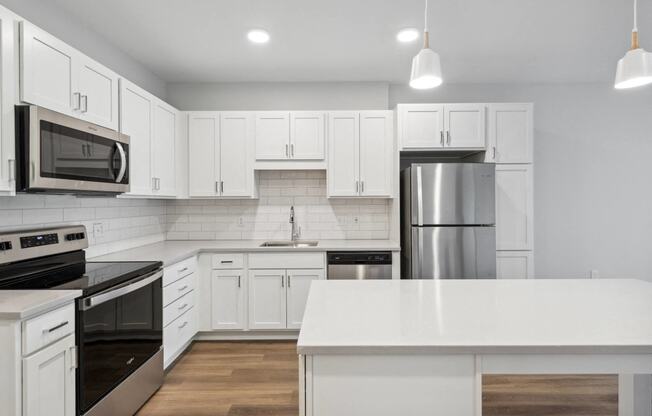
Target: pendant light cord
{"x": 635, "y": 44}
{"x": 426, "y": 37}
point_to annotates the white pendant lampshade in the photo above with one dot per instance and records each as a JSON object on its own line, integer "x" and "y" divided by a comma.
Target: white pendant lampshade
{"x": 426, "y": 66}
{"x": 635, "y": 68}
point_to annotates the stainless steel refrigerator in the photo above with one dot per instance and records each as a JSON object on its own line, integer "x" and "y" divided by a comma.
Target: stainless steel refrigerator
{"x": 448, "y": 221}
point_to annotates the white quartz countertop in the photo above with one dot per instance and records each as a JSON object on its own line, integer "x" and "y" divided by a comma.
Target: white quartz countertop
{"x": 170, "y": 252}
{"x": 21, "y": 304}
{"x": 478, "y": 316}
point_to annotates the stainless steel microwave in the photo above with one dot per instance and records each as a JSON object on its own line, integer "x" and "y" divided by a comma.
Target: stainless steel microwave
{"x": 57, "y": 153}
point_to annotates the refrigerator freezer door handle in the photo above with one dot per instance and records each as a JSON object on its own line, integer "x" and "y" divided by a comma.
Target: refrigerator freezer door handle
{"x": 419, "y": 197}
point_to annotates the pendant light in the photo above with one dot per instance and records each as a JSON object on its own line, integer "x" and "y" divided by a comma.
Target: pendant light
{"x": 635, "y": 68}
{"x": 426, "y": 68}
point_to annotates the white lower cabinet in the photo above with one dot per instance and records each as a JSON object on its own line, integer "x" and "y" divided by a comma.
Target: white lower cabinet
{"x": 180, "y": 320}
{"x": 267, "y": 303}
{"x": 297, "y": 294}
{"x": 49, "y": 380}
{"x": 227, "y": 299}
{"x": 277, "y": 297}
{"x": 514, "y": 265}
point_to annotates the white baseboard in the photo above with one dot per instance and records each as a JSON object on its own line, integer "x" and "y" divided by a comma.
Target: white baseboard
{"x": 247, "y": 336}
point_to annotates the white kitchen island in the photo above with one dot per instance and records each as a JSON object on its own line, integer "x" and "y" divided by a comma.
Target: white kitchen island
{"x": 421, "y": 347}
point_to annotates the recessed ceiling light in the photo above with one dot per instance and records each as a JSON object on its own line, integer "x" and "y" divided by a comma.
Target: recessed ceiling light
{"x": 407, "y": 35}
{"x": 258, "y": 36}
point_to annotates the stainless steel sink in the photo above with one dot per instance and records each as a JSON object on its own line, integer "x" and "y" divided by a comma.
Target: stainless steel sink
{"x": 288, "y": 243}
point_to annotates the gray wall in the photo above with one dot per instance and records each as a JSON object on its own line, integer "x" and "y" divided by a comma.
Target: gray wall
{"x": 279, "y": 96}
{"x": 54, "y": 20}
{"x": 592, "y": 192}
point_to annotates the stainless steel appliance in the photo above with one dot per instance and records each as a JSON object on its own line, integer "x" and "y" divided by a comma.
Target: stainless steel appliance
{"x": 118, "y": 328}
{"x": 359, "y": 265}
{"x": 61, "y": 154}
{"x": 448, "y": 221}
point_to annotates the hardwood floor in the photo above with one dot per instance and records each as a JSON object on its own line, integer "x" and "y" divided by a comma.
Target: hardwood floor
{"x": 260, "y": 378}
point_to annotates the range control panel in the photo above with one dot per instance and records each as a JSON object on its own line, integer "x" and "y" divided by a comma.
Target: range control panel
{"x": 39, "y": 240}
{"x": 28, "y": 244}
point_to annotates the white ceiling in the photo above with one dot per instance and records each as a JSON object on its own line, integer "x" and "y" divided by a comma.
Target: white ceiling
{"x": 480, "y": 41}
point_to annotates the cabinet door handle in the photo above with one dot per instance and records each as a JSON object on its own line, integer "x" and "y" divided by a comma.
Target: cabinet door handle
{"x": 12, "y": 170}
{"x": 441, "y": 137}
{"x": 217, "y": 187}
{"x": 222, "y": 187}
{"x": 282, "y": 281}
{"x": 292, "y": 150}
{"x": 289, "y": 280}
{"x": 494, "y": 149}
{"x": 77, "y": 100}
{"x": 239, "y": 281}
{"x": 357, "y": 187}
{"x": 361, "y": 187}
{"x": 54, "y": 328}
{"x": 85, "y": 98}
{"x": 287, "y": 150}
{"x": 448, "y": 137}
{"x": 74, "y": 362}
{"x": 154, "y": 184}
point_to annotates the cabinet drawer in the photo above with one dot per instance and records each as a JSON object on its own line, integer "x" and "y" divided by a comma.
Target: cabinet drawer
{"x": 178, "y": 332}
{"x": 286, "y": 261}
{"x": 179, "y": 270}
{"x": 178, "y": 307}
{"x": 47, "y": 328}
{"x": 228, "y": 261}
{"x": 177, "y": 289}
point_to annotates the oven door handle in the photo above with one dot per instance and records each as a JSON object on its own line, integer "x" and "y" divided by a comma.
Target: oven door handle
{"x": 123, "y": 163}
{"x": 93, "y": 301}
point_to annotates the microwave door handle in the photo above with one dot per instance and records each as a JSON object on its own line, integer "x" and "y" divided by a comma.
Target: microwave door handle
{"x": 123, "y": 163}
{"x": 120, "y": 291}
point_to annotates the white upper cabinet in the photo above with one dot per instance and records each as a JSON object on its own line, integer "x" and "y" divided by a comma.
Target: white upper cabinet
{"x": 56, "y": 76}
{"x": 203, "y": 154}
{"x": 514, "y": 222}
{"x": 421, "y": 126}
{"x": 221, "y": 154}
{"x": 510, "y": 133}
{"x": 272, "y": 135}
{"x": 465, "y": 125}
{"x": 152, "y": 128}
{"x": 376, "y": 153}
{"x": 163, "y": 149}
{"x": 361, "y": 148}
{"x": 299, "y": 282}
{"x": 297, "y": 135}
{"x": 307, "y": 133}
{"x": 136, "y": 121}
{"x": 343, "y": 154}
{"x": 441, "y": 126}
{"x": 8, "y": 81}
{"x": 98, "y": 93}
{"x": 236, "y": 149}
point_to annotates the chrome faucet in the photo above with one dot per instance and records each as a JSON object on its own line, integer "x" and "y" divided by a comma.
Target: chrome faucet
{"x": 295, "y": 230}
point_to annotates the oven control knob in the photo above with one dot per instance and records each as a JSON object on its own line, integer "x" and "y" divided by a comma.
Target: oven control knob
{"x": 70, "y": 237}
{"x": 5, "y": 245}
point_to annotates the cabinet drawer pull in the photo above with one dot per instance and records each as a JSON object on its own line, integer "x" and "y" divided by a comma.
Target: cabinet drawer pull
{"x": 184, "y": 306}
{"x": 226, "y": 261}
{"x": 182, "y": 288}
{"x": 183, "y": 325}
{"x": 182, "y": 270}
{"x": 54, "y": 328}
{"x": 282, "y": 281}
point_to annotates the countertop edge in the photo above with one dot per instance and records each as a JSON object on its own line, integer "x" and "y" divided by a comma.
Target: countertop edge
{"x": 66, "y": 296}
{"x": 476, "y": 349}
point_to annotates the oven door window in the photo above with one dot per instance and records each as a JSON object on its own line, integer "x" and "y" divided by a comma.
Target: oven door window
{"x": 77, "y": 155}
{"x": 116, "y": 337}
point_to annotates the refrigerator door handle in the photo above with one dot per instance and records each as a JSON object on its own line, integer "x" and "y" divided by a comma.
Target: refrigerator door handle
{"x": 419, "y": 196}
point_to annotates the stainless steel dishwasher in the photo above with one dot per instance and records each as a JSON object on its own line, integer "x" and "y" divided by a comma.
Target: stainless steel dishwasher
{"x": 359, "y": 265}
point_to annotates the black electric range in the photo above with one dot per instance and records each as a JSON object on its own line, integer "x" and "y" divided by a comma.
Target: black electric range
{"x": 118, "y": 328}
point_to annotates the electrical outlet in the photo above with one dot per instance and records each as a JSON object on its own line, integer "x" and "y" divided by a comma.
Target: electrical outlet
{"x": 98, "y": 230}
{"x": 240, "y": 222}
{"x": 356, "y": 220}
{"x": 595, "y": 274}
